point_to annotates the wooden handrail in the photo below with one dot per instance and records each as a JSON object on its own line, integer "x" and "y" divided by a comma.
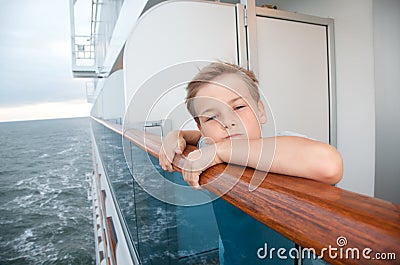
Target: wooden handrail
{"x": 310, "y": 213}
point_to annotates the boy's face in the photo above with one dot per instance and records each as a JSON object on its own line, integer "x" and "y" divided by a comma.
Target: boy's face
{"x": 226, "y": 110}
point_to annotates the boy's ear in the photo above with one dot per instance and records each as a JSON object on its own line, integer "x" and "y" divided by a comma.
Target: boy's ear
{"x": 262, "y": 116}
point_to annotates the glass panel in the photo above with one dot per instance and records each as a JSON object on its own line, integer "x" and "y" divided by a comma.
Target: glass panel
{"x": 162, "y": 233}
{"x": 247, "y": 241}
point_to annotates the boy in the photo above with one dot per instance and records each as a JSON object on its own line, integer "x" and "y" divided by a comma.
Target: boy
{"x": 225, "y": 103}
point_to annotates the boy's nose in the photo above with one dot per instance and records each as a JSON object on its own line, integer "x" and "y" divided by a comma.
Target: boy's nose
{"x": 229, "y": 125}
{"x": 230, "y": 120}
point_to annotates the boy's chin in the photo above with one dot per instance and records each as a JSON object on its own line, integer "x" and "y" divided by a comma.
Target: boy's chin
{"x": 210, "y": 141}
{"x": 236, "y": 136}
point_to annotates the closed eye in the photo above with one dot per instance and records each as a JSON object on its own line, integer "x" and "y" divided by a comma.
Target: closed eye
{"x": 205, "y": 117}
{"x": 239, "y": 107}
{"x": 211, "y": 118}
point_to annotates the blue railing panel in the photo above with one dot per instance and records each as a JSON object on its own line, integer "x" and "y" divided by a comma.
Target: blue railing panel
{"x": 161, "y": 233}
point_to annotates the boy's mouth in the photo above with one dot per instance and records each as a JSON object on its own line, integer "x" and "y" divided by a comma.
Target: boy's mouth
{"x": 233, "y": 136}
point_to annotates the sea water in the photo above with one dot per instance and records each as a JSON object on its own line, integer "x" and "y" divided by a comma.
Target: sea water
{"x": 45, "y": 214}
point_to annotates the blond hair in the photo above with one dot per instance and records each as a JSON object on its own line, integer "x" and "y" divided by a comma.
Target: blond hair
{"x": 215, "y": 70}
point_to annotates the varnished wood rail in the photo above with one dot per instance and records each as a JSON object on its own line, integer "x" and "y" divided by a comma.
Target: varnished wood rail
{"x": 312, "y": 214}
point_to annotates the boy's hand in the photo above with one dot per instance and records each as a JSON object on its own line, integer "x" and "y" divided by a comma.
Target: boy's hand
{"x": 197, "y": 162}
{"x": 173, "y": 144}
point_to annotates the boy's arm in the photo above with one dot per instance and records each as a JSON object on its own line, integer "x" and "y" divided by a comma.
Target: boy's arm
{"x": 294, "y": 156}
{"x": 191, "y": 137}
{"x": 174, "y": 143}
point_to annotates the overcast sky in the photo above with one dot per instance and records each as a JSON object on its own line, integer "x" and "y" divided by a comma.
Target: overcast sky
{"x": 35, "y": 62}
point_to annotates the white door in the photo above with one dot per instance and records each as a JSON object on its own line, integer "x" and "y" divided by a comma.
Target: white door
{"x": 293, "y": 75}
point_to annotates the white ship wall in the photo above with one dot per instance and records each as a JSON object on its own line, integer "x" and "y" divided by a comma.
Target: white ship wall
{"x": 207, "y": 34}
{"x": 110, "y": 102}
{"x": 102, "y": 184}
{"x": 111, "y": 46}
{"x": 387, "y": 96}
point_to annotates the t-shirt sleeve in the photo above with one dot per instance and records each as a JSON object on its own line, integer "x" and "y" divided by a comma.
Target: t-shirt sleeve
{"x": 201, "y": 143}
{"x": 289, "y": 133}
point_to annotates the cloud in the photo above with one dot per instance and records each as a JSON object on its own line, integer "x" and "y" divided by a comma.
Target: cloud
{"x": 35, "y": 54}
{"x": 50, "y": 110}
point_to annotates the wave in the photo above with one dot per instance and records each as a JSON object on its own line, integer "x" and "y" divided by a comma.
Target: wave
{"x": 45, "y": 215}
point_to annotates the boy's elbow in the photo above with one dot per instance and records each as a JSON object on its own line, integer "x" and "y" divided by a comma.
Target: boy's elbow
{"x": 331, "y": 170}
{"x": 333, "y": 173}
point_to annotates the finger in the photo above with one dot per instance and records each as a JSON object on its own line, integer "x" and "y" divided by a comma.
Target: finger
{"x": 160, "y": 158}
{"x": 178, "y": 151}
{"x": 165, "y": 153}
{"x": 164, "y": 163}
{"x": 161, "y": 161}
{"x": 194, "y": 180}
{"x": 186, "y": 171}
{"x": 181, "y": 146}
{"x": 170, "y": 168}
{"x": 190, "y": 176}
{"x": 184, "y": 175}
